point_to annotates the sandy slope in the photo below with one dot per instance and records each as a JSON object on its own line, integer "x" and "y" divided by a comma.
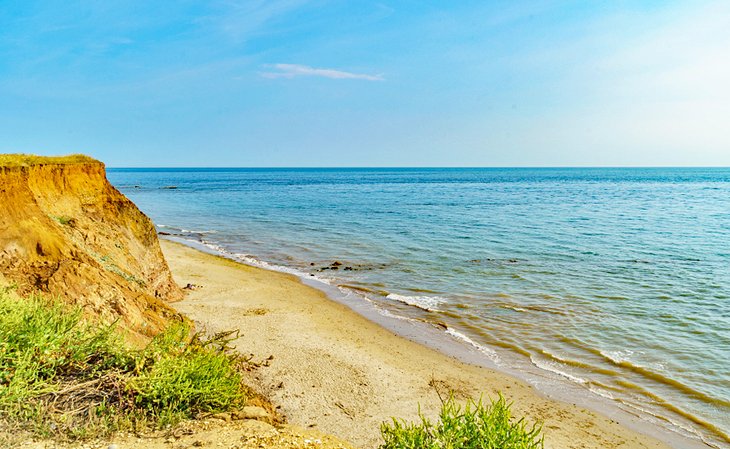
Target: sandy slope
{"x": 335, "y": 371}
{"x": 67, "y": 232}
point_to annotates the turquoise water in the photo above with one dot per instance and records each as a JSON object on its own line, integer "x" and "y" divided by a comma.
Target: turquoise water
{"x": 618, "y": 280}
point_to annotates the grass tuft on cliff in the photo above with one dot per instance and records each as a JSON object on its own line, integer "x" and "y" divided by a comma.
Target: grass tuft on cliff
{"x": 24, "y": 160}
{"x": 474, "y": 426}
{"x": 63, "y": 377}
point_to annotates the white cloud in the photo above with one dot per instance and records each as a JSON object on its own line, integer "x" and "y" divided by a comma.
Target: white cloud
{"x": 295, "y": 70}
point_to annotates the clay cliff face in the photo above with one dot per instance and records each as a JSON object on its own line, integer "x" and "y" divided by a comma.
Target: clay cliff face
{"x": 66, "y": 231}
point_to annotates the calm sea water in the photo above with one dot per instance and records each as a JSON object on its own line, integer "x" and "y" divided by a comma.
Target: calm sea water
{"x": 616, "y": 279}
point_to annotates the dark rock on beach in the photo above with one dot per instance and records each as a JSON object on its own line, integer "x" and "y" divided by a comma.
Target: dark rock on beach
{"x": 336, "y": 265}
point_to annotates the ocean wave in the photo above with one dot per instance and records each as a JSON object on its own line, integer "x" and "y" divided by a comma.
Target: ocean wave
{"x": 428, "y": 303}
{"x": 579, "y": 364}
{"x": 251, "y": 260}
{"x": 618, "y": 357}
{"x": 526, "y": 308}
{"x": 387, "y": 313}
{"x": 600, "y": 392}
{"x": 491, "y": 353}
{"x": 248, "y": 259}
{"x": 674, "y": 425}
{"x": 516, "y": 309}
{"x": 256, "y": 262}
{"x": 186, "y": 231}
{"x": 553, "y": 368}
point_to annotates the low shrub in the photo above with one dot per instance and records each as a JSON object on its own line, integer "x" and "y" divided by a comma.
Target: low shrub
{"x": 186, "y": 378}
{"x": 474, "y": 426}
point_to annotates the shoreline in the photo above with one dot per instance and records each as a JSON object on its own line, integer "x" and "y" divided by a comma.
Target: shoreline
{"x": 355, "y": 349}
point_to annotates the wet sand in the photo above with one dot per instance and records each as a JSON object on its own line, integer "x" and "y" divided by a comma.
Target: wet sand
{"x": 330, "y": 369}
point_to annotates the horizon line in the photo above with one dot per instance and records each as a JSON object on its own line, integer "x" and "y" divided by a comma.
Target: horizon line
{"x": 389, "y": 167}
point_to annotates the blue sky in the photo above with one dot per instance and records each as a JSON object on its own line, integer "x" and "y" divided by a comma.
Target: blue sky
{"x": 360, "y": 83}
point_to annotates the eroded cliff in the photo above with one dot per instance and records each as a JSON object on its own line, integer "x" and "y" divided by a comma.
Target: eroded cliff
{"x": 66, "y": 231}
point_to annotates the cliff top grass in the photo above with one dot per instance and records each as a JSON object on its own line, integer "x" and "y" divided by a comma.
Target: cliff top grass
{"x": 27, "y": 160}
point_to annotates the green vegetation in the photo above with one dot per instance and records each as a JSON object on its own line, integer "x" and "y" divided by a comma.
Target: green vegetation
{"x": 476, "y": 426}
{"x": 60, "y": 376}
{"x": 110, "y": 266}
{"x": 20, "y": 160}
{"x": 64, "y": 220}
{"x": 177, "y": 380}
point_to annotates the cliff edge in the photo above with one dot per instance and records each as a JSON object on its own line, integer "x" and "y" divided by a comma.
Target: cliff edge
{"x": 66, "y": 231}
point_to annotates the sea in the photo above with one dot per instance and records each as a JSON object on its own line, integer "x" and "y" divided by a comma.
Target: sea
{"x": 615, "y": 281}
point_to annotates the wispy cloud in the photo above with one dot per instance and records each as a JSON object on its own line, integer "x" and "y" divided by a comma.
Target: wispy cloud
{"x": 295, "y": 70}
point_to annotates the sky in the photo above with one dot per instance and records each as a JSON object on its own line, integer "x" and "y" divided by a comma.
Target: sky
{"x": 368, "y": 83}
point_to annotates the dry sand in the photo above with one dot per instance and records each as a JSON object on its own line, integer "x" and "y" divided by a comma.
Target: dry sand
{"x": 245, "y": 434}
{"x": 335, "y": 371}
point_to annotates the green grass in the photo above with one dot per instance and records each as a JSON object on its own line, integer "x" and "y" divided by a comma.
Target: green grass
{"x": 474, "y": 426}
{"x": 179, "y": 380}
{"x": 60, "y": 376}
{"x": 64, "y": 220}
{"x": 19, "y": 160}
{"x": 108, "y": 264}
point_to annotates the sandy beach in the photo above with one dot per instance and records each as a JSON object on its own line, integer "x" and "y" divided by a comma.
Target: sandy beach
{"x": 390, "y": 206}
{"x": 330, "y": 369}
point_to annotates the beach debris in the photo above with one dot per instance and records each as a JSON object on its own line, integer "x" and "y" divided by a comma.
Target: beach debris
{"x": 192, "y": 287}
